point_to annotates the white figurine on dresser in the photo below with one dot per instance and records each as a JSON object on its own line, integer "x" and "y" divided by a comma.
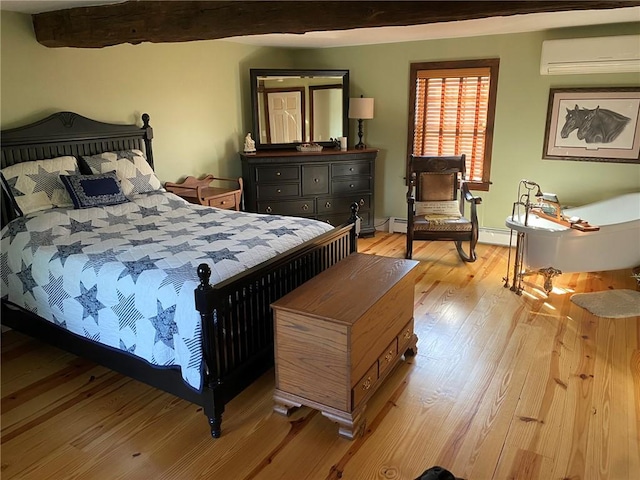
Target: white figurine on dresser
{"x": 249, "y": 144}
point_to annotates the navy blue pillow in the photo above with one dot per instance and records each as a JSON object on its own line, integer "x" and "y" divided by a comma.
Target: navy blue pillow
{"x": 94, "y": 190}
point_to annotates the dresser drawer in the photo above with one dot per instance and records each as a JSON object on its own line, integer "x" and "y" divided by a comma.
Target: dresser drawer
{"x": 350, "y": 168}
{"x": 343, "y": 204}
{"x": 388, "y": 357}
{"x": 315, "y": 180}
{"x": 302, "y": 208}
{"x": 277, "y": 173}
{"x": 278, "y": 191}
{"x": 360, "y": 184}
{"x": 365, "y": 385}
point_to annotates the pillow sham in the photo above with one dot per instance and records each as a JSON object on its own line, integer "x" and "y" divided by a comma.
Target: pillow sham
{"x": 94, "y": 190}
{"x": 449, "y": 208}
{"x": 36, "y": 185}
{"x": 134, "y": 173}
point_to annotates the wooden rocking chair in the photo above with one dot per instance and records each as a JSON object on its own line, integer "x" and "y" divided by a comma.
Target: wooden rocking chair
{"x": 435, "y": 211}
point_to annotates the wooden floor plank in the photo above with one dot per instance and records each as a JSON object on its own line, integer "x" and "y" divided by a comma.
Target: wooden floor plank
{"x": 529, "y": 387}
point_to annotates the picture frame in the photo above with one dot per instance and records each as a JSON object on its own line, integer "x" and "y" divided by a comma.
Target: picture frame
{"x": 593, "y": 124}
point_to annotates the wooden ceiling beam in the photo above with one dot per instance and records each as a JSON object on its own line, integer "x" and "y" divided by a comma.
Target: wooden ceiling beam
{"x": 183, "y": 21}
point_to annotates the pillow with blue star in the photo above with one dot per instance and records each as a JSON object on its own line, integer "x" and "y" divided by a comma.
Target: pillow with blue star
{"x": 131, "y": 167}
{"x": 36, "y": 185}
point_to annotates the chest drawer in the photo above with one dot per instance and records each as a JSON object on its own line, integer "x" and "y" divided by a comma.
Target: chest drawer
{"x": 278, "y": 173}
{"x": 364, "y": 386}
{"x": 342, "y": 187}
{"x": 388, "y": 357}
{"x": 350, "y": 168}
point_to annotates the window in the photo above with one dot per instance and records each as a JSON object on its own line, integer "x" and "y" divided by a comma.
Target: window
{"x": 452, "y": 112}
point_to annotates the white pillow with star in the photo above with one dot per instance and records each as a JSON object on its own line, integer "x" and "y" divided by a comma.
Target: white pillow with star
{"x": 131, "y": 167}
{"x": 36, "y": 185}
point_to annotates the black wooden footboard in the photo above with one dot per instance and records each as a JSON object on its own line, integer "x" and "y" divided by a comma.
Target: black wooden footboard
{"x": 237, "y": 324}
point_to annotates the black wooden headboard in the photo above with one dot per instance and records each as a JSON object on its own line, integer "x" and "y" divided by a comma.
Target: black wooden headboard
{"x": 67, "y": 133}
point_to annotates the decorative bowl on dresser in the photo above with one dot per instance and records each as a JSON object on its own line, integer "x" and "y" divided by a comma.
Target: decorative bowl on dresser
{"x": 320, "y": 185}
{"x": 340, "y": 334}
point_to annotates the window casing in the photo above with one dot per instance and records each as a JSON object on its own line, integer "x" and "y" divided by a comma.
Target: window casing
{"x": 452, "y": 111}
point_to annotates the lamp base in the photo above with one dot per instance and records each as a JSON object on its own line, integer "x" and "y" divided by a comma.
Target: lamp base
{"x": 360, "y": 145}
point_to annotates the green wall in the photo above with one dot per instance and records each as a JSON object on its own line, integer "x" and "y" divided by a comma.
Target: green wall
{"x": 382, "y": 72}
{"x": 198, "y": 97}
{"x": 194, "y": 92}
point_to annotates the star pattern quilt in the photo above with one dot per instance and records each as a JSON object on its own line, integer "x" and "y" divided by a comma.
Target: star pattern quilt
{"x": 124, "y": 275}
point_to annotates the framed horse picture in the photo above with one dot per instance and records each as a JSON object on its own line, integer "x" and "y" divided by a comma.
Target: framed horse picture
{"x": 593, "y": 124}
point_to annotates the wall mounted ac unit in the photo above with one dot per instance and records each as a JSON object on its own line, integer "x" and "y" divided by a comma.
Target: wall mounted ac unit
{"x": 591, "y": 55}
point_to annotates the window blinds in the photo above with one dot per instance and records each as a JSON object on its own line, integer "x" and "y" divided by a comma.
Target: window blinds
{"x": 451, "y": 115}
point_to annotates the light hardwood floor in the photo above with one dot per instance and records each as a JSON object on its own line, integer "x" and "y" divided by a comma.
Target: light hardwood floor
{"x": 503, "y": 387}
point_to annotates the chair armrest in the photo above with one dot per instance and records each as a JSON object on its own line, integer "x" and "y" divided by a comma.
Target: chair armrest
{"x": 411, "y": 200}
{"x": 468, "y": 196}
{"x": 473, "y": 201}
{"x": 411, "y": 188}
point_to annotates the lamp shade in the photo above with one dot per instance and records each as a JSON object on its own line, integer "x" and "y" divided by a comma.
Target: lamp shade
{"x": 361, "y": 108}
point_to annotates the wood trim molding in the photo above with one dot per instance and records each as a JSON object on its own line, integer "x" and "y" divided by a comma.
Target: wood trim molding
{"x": 171, "y": 21}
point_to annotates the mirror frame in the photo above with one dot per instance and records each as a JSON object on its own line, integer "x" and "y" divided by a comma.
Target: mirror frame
{"x": 254, "y": 73}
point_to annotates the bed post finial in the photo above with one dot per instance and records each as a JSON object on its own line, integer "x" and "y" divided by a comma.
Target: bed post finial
{"x": 148, "y": 136}
{"x": 204, "y": 274}
{"x": 204, "y": 303}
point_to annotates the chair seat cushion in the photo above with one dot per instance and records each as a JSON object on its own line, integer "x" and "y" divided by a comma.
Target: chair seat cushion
{"x": 420, "y": 223}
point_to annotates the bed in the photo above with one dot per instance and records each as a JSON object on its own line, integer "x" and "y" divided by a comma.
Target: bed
{"x": 228, "y": 339}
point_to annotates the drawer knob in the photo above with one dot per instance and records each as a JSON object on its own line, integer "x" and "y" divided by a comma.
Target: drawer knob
{"x": 351, "y": 169}
{"x": 351, "y": 186}
{"x": 316, "y": 180}
{"x": 278, "y": 191}
{"x": 407, "y": 334}
{"x": 362, "y": 202}
{"x": 278, "y": 174}
{"x": 268, "y": 210}
{"x": 388, "y": 356}
{"x": 366, "y": 385}
{"x": 327, "y": 205}
{"x": 305, "y": 207}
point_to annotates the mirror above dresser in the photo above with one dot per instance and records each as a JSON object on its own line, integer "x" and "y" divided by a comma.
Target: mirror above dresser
{"x": 290, "y": 107}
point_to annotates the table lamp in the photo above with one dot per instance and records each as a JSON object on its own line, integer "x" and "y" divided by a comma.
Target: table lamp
{"x": 361, "y": 109}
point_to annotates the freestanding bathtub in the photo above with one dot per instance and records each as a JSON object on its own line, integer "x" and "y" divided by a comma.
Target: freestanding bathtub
{"x": 616, "y": 246}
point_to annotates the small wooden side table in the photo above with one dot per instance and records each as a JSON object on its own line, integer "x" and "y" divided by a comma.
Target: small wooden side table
{"x": 339, "y": 335}
{"x": 202, "y": 192}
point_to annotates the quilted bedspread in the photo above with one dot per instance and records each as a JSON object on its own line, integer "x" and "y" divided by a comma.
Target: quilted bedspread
{"x": 124, "y": 275}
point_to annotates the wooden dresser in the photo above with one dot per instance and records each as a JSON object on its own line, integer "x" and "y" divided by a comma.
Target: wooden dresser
{"x": 339, "y": 335}
{"x": 320, "y": 185}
